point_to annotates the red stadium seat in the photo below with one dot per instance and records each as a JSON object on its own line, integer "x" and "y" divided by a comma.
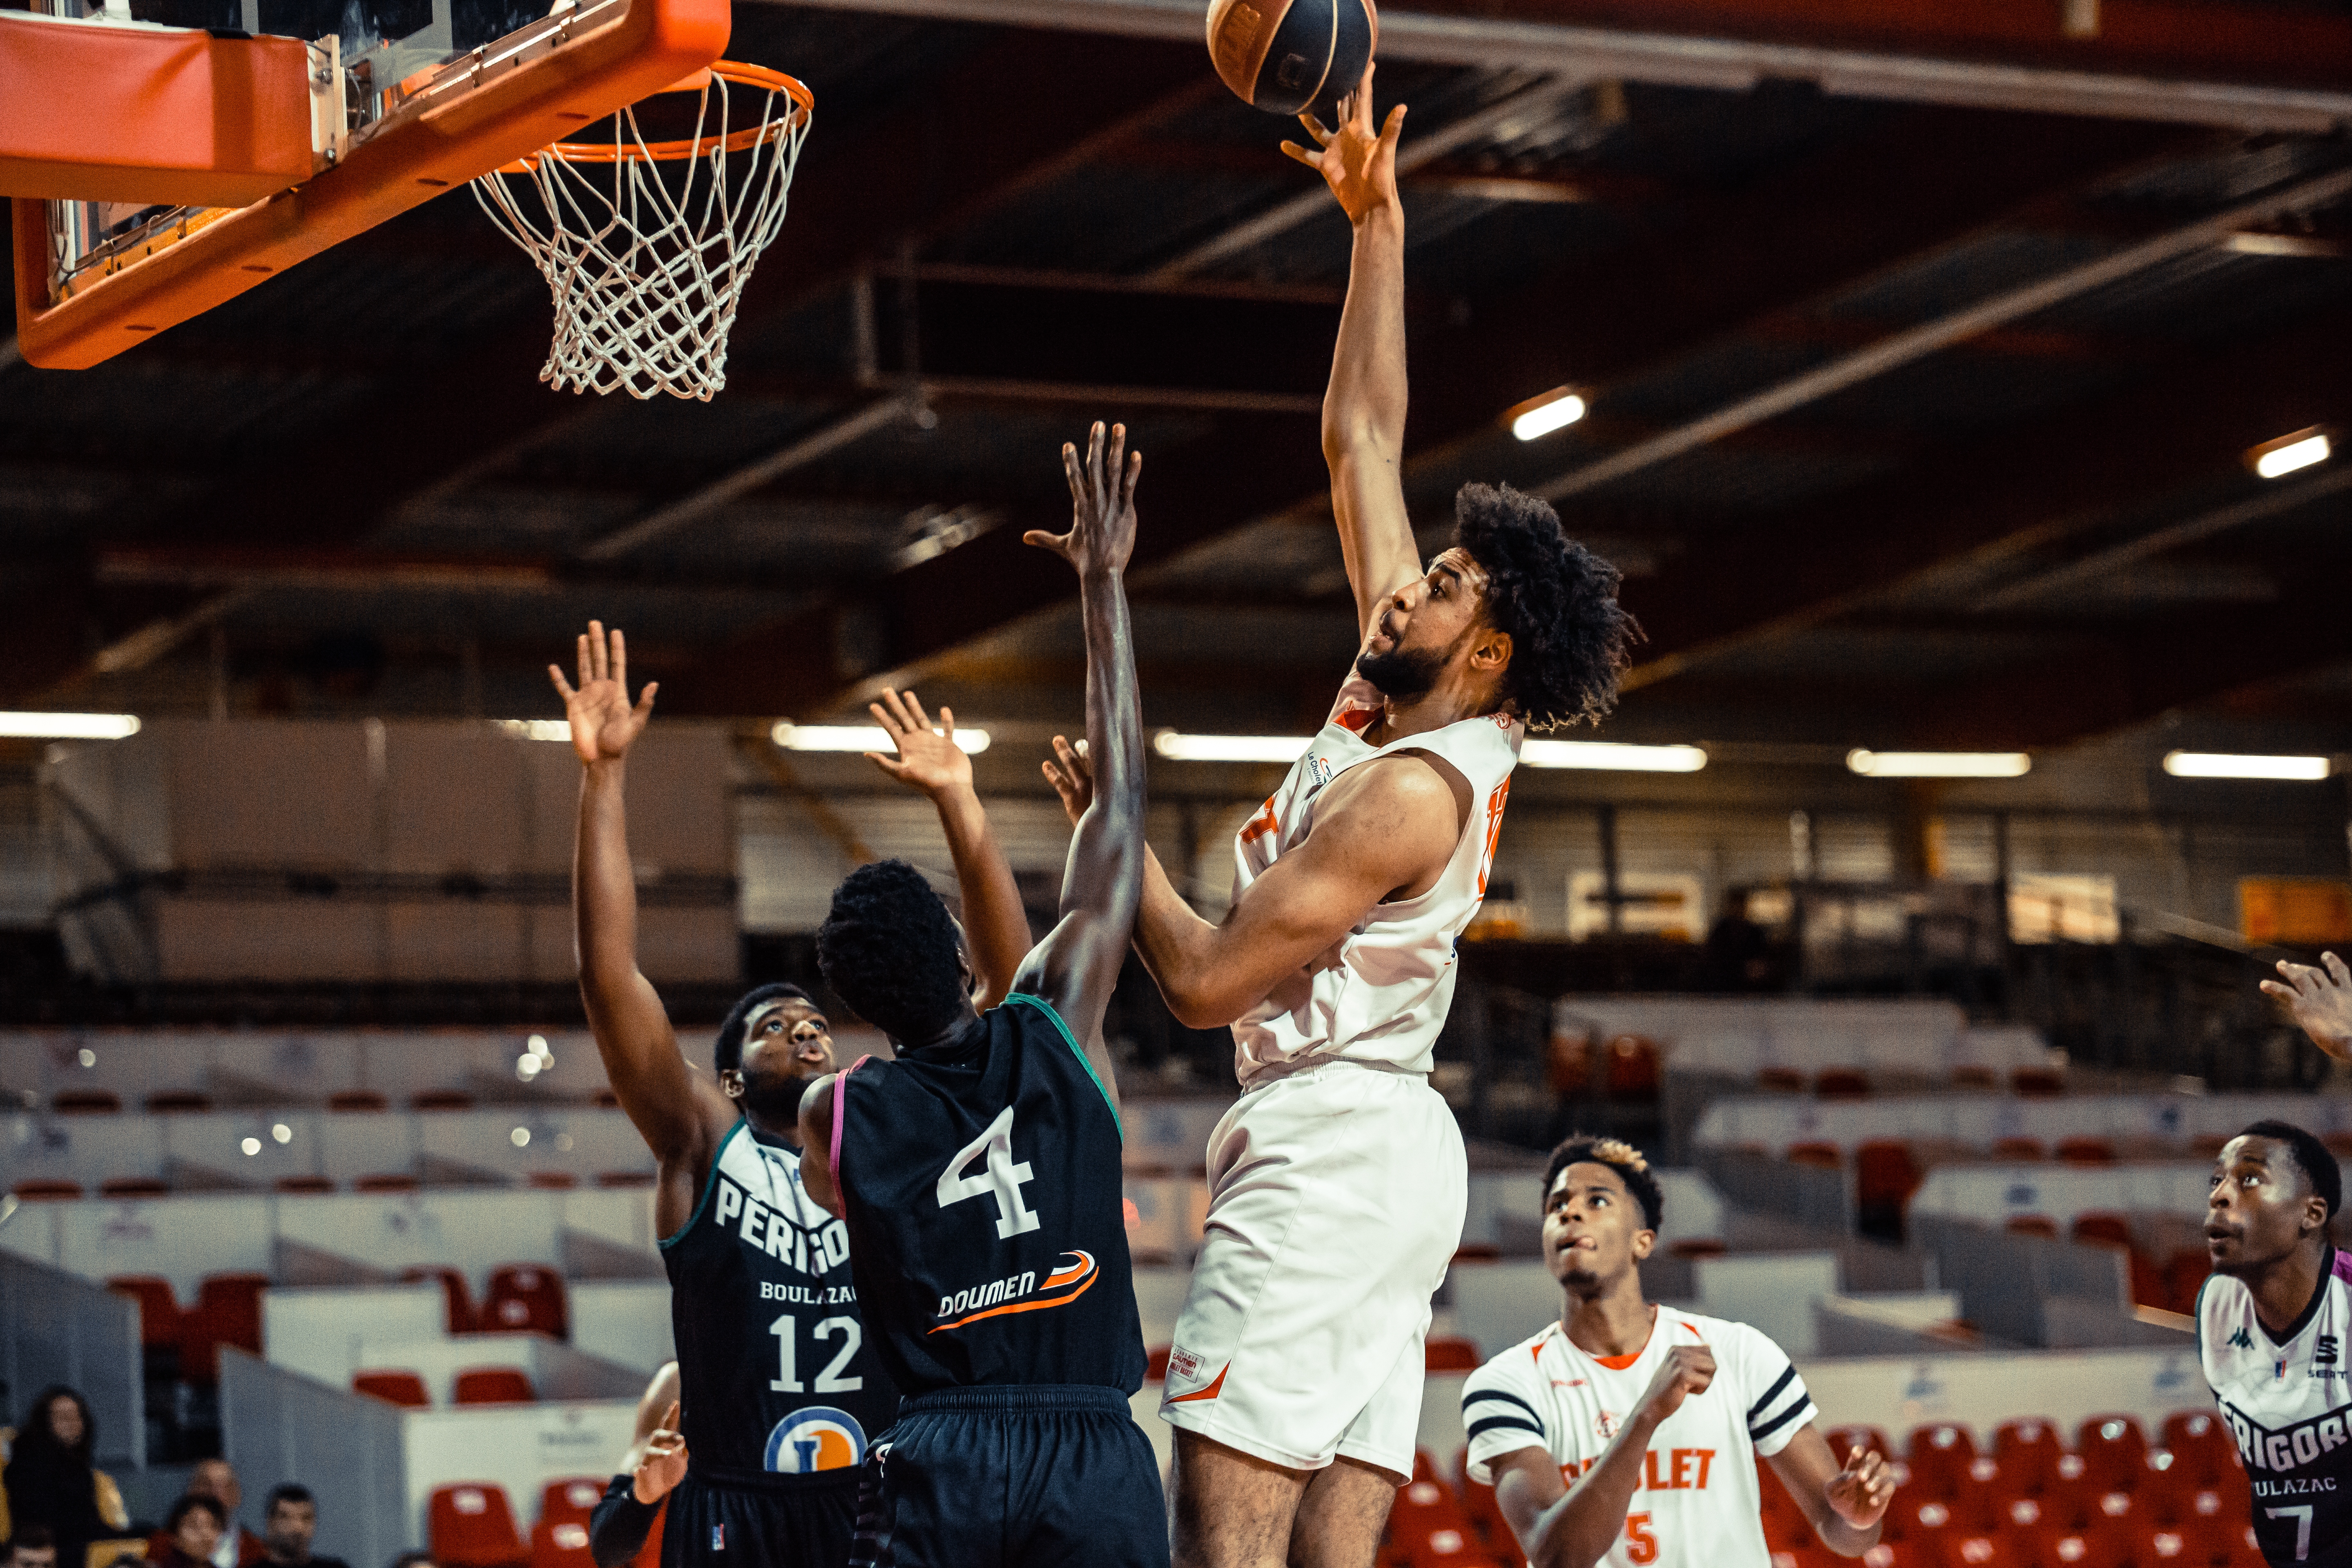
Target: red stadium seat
{"x": 2184, "y": 1276}
{"x": 1885, "y": 1177}
{"x": 574, "y": 1499}
{"x": 386, "y": 1182}
{"x": 1940, "y": 1456}
{"x": 2101, "y": 1228}
{"x": 1844, "y": 1440}
{"x": 1633, "y": 1072}
{"x": 1823, "y": 1156}
{"x": 525, "y": 1296}
{"x": 457, "y": 1300}
{"x": 1697, "y": 1246}
{"x": 492, "y": 1385}
{"x": 2019, "y": 1148}
{"x": 2115, "y": 1453}
{"x": 1486, "y": 1515}
{"x": 85, "y": 1103}
{"x": 1841, "y": 1083}
{"x": 1155, "y": 1363}
{"x": 159, "y": 1308}
{"x": 1443, "y": 1354}
{"x": 2033, "y": 1225}
{"x": 178, "y": 1102}
{"x": 559, "y": 1539}
{"x": 2037, "y": 1082}
{"x": 471, "y": 1525}
{"x": 2202, "y": 1450}
{"x": 1780, "y": 1080}
{"x": 305, "y": 1186}
{"x": 357, "y": 1100}
{"x": 625, "y": 1178}
{"x": 2087, "y": 1151}
{"x": 605, "y": 1100}
{"x": 134, "y": 1187}
{"x": 405, "y": 1389}
{"x": 441, "y": 1099}
{"x": 2027, "y": 1453}
{"x": 46, "y": 1190}
{"x": 228, "y": 1312}
{"x": 551, "y": 1181}
{"x": 1968, "y": 1075}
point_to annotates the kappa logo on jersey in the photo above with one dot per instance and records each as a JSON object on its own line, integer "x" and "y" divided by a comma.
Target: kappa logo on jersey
{"x": 817, "y": 1437}
{"x": 816, "y": 1250}
{"x": 2241, "y": 1340}
{"x": 1020, "y": 1293}
{"x": 2288, "y": 1449}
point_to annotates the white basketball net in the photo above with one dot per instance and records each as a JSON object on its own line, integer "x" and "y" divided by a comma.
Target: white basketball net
{"x": 648, "y": 270}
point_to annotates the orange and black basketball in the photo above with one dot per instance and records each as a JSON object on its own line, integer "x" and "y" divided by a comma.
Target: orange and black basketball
{"x": 1283, "y": 55}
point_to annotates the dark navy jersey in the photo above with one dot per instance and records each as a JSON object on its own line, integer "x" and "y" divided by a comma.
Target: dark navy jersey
{"x": 775, "y": 1369}
{"x": 982, "y": 1181}
{"x": 2286, "y": 1400}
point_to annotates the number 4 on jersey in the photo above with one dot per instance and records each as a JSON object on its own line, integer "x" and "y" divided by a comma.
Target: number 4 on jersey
{"x": 1002, "y": 1178}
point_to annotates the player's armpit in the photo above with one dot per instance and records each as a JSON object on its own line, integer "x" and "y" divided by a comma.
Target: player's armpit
{"x": 1386, "y": 830}
{"x": 816, "y": 1146}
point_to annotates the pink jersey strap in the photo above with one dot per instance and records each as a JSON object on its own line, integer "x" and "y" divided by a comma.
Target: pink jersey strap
{"x": 841, "y": 1103}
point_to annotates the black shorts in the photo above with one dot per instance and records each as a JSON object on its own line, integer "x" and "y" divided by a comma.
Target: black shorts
{"x": 1012, "y": 1478}
{"x": 720, "y": 1519}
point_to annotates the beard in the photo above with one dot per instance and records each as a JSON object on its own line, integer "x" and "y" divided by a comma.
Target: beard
{"x": 774, "y": 1097}
{"x": 1402, "y": 673}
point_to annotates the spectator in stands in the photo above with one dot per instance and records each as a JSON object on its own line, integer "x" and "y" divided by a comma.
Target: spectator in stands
{"x": 237, "y": 1547}
{"x": 2321, "y": 1001}
{"x": 32, "y": 1547}
{"x": 2271, "y": 1323}
{"x": 649, "y": 1471}
{"x": 51, "y": 1482}
{"x": 289, "y": 1523}
{"x": 1617, "y": 1393}
{"x": 192, "y": 1532}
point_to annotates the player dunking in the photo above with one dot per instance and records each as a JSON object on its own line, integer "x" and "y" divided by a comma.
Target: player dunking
{"x": 980, "y": 1171}
{"x": 1627, "y": 1434}
{"x": 1338, "y": 1182}
{"x": 782, "y": 1391}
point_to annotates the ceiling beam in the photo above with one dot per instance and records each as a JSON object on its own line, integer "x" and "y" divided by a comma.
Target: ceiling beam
{"x": 2006, "y": 493}
{"x": 2268, "y": 68}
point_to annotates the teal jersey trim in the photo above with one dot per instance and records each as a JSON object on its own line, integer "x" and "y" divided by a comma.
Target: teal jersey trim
{"x": 709, "y": 1185}
{"x": 1076, "y": 1049}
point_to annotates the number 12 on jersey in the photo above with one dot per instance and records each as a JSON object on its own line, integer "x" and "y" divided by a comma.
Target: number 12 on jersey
{"x": 787, "y": 1380}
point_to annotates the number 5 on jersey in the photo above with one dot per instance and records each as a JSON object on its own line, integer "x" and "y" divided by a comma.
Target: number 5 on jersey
{"x": 1001, "y": 1179}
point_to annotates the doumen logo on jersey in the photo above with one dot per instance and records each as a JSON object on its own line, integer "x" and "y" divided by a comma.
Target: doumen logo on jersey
{"x": 1072, "y": 1278}
{"x": 817, "y": 1437}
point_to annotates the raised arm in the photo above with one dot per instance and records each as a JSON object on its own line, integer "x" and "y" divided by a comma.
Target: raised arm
{"x": 1364, "y": 407}
{"x": 996, "y": 929}
{"x": 1077, "y": 965}
{"x": 2321, "y": 1001}
{"x": 680, "y": 1114}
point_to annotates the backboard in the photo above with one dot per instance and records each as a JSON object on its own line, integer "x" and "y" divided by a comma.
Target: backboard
{"x": 421, "y": 96}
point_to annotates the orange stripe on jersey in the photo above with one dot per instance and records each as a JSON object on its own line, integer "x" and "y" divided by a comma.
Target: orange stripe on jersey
{"x": 1262, "y": 824}
{"x": 1619, "y": 1362}
{"x": 1083, "y": 1274}
{"x": 1494, "y": 831}
{"x": 1356, "y": 720}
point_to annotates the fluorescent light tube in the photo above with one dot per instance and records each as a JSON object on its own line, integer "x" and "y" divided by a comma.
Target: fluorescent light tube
{"x": 1178, "y": 747}
{"x": 2221, "y": 765}
{"x": 1939, "y": 764}
{"x": 2278, "y": 458}
{"x": 1611, "y": 756}
{"x": 794, "y": 737}
{"x": 67, "y": 726}
{"x": 1555, "y": 410}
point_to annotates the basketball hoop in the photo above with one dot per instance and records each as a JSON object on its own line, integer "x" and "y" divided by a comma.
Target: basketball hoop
{"x": 646, "y": 272}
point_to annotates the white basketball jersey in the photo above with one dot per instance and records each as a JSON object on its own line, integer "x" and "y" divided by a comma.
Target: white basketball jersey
{"x": 2287, "y": 1402}
{"x": 1697, "y": 1504}
{"x": 1385, "y": 998}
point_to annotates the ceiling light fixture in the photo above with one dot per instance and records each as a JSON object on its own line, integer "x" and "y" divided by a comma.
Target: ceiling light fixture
{"x": 2288, "y": 454}
{"x": 794, "y": 737}
{"x": 1939, "y": 764}
{"x": 1611, "y": 756}
{"x": 67, "y": 726}
{"x": 1554, "y": 410}
{"x": 1178, "y": 747}
{"x": 2221, "y": 765}
{"x": 537, "y": 729}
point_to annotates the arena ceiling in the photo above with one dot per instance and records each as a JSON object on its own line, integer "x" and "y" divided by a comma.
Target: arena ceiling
{"x": 1923, "y": 353}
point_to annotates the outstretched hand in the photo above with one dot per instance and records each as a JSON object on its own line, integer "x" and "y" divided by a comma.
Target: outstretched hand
{"x": 603, "y": 723}
{"x": 1860, "y": 1491}
{"x": 1102, "y": 505}
{"x": 1067, "y": 770}
{"x": 928, "y": 760}
{"x": 2321, "y": 1001}
{"x": 1356, "y": 161}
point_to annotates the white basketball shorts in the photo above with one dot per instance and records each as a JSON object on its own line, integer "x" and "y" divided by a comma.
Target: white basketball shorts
{"x": 1335, "y": 1200}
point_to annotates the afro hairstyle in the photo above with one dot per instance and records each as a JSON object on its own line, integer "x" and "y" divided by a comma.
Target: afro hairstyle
{"x": 1628, "y": 1162}
{"x": 726, "y": 1050}
{"x": 2310, "y": 1156}
{"x": 1557, "y": 601}
{"x": 890, "y": 951}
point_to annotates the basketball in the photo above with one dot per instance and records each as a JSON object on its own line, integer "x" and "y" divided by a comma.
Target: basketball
{"x": 1284, "y": 56}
